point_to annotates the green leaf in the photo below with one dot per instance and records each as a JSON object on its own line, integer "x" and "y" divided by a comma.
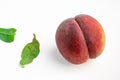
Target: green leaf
{"x": 30, "y": 51}
{"x": 7, "y": 35}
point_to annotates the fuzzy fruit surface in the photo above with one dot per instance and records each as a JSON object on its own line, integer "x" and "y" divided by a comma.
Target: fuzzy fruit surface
{"x": 80, "y": 38}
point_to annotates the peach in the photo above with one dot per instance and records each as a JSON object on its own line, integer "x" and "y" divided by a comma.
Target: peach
{"x": 80, "y": 38}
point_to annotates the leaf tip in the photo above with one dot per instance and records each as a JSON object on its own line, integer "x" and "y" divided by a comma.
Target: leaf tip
{"x": 22, "y": 66}
{"x": 34, "y": 35}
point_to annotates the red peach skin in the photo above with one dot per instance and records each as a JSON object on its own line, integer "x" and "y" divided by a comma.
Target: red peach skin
{"x": 80, "y": 38}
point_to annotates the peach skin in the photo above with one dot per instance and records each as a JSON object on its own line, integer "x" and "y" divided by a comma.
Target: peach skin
{"x": 80, "y": 38}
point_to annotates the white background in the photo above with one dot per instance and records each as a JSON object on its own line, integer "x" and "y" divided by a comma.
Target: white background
{"x": 42, "y": 17}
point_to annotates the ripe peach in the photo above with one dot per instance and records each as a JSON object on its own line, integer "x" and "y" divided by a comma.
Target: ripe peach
{"x": 80, "y": 38}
